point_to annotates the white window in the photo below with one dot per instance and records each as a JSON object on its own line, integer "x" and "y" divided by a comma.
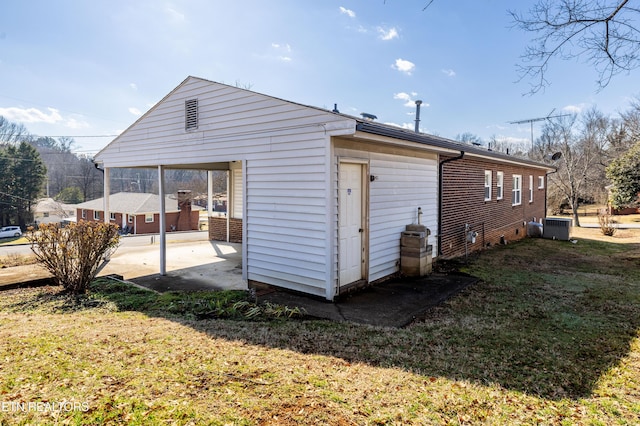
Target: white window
{"x": 487, "y": 185}
{"x": 84, "y": 214}
{"x": 148, "y": 218}
{"x": 130, "y": 218}
{"x": 112, "y": 216}
{"x": 96, "y": 215}
{"x": 500, "y": 185}
{"x": 540, "y": 182}
{"x": 530, "y": 189}
{"x": 516, "y": 194}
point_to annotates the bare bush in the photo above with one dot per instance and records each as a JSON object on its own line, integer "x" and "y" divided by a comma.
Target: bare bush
{"x": 607, "y": 223}
{"x": 73, "y": 254}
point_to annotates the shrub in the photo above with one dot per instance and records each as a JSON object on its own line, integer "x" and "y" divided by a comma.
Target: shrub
{"x": 73, "y": 254}
{"x": 607, "y": 223}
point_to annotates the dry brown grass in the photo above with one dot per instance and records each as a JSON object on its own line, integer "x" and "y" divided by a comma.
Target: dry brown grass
{"x": 551, "y": 336}
{"x": 16, "y": 260}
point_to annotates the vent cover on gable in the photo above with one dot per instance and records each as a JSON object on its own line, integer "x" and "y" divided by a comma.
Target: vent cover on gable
{"x": 191, "y": 114}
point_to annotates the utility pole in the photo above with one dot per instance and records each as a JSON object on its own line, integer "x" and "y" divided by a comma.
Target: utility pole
{"x": 533, "y": 120}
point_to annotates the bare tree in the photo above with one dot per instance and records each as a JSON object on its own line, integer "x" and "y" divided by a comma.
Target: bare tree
{"x": 470, "y": 138}
{"x": 580, "y": 172}
{"x": 602, "y": 32}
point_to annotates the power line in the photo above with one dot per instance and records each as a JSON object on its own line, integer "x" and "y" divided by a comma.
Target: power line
{"x": 14, "y": 196}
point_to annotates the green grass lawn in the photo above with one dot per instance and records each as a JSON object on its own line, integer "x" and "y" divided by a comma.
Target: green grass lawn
{"x": 550, "y": 336}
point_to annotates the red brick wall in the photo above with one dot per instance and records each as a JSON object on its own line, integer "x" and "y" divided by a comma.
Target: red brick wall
{"x": 218, "y": 229}
{"x": 172, "y": 220}
{"x": 89, "y": 217}
{"x": 463, "y": 203}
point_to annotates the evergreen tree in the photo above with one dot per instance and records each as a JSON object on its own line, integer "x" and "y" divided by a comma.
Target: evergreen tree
{"x": 624, "y": 173}
{"x": 21, "y": 182}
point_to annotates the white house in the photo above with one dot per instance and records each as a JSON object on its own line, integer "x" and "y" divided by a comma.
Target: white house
{"x": 322, "y": 197}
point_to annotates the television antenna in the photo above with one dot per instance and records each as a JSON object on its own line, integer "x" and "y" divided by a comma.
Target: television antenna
{"x": 533, "y": 120}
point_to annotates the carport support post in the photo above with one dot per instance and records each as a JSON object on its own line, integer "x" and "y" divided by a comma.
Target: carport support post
{"x": 163, "y": 233}
{"x": 209, "y": 194}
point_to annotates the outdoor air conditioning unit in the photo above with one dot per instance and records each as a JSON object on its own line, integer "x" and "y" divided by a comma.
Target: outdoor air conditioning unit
{"x": 556, "y": 229}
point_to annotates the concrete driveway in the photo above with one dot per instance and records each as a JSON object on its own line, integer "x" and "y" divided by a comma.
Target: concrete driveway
{"x": 193, "y": 262}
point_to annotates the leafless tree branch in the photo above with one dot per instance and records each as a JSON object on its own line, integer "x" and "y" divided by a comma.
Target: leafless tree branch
{"x": 601, "y": 32}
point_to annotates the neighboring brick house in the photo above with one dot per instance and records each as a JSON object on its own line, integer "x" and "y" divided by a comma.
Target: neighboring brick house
{"x": 138, "y": 213}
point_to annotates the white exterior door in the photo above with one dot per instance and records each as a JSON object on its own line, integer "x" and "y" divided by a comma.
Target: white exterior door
{"x": 350, "y": 222}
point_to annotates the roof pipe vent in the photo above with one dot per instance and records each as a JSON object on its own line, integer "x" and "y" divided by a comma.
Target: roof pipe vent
{"x": 335, "y": 108}
{"x": 418, "y": 103}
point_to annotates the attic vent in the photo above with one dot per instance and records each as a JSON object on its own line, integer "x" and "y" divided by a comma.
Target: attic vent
{"x": 191, "y": 114}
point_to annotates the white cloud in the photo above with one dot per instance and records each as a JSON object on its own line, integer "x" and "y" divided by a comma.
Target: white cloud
{"x": 282, "y": 51}
{"x": 496, "y": 127}
{"x": 574, "y": 109}
{"x": 133, "y": 86}
{"x": 449, "y": 72}
{"x": 72, "y": 123}
{"x": 387, "y": 34}
{"x": 135, "y": 111}
{"x": 174, "y": 15}
{"x": 34, "y": 115}
{"x": 404, "y": 97}
{"x": 408, "y": 99}
{"x": 404, "y": 66}
{"x": 350, "y": 13}
{"x": 31, "y": 115}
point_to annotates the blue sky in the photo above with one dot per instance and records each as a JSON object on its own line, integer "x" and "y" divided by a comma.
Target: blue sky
{"x": 91, "y": 68}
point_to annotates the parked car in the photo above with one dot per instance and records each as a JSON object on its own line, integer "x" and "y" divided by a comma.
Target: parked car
{"x": 10, "y": 232}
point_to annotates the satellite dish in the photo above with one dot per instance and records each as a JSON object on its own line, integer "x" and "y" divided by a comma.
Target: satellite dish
{"x": 556, "y": 156}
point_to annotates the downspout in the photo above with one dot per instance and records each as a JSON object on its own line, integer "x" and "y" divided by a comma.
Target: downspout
{"x": 440, "y": 185}
{"x": 546, "y": 189}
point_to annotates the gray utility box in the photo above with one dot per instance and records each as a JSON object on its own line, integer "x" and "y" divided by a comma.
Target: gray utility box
{"x": 556, "y": 229}
{"x": 415, "y": 253}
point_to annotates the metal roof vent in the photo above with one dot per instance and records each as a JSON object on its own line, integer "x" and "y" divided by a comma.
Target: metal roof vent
{"x": 367, "y": 116}
{"x": 191, "y": 114}
{"x": 418, "y": 103}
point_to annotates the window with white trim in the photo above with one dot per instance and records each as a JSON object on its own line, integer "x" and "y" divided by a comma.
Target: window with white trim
{"x": 499, "y": 185}
{"x": 148, "y": 218}
{"x": 84, "y": 214}
{"x": 516, "y": 192}
{"x": 96, "y": 215}
{"x": 487, "y": 185}
{"x": 112, "y": 216}
{"x": 530, "y": 189}
{"x": 540, "y": 182}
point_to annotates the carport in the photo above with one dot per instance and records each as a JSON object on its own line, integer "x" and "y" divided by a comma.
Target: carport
{"x": 209, "y": 167}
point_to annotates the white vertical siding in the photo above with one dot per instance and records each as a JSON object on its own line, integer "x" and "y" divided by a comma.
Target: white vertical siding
{"x": 405, "y": 181}
{"x": 403, "y": 185}
{"x": 283, "y": 148}
{"x": 286, "y": 219}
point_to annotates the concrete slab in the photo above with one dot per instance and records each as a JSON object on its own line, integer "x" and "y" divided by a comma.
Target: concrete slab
{"x": 392, "y": 304}
{"x": 191, "y": 265}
